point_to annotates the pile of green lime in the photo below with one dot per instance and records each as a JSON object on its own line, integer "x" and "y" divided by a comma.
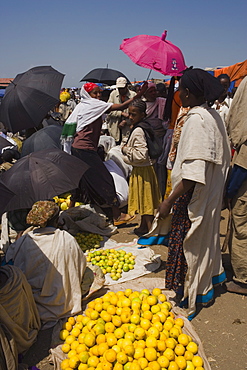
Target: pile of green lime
{"x": 88, "y": 241}
{"x": 112, "y": 261}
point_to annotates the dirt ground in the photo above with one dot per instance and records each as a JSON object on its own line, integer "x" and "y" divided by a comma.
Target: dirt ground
{"x": 222, "y": 326}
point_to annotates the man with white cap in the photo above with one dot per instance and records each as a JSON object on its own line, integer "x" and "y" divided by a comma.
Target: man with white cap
{"x": 118, "y": 122}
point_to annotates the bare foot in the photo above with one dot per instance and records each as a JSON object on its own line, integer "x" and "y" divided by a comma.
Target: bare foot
{"x": 238, "y": 288}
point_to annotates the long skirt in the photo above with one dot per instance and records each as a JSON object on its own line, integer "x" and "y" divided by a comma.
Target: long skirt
{"x": 96, "y": 185}
{"x": 144, "y": 193}
{"x": 176, "y": 266}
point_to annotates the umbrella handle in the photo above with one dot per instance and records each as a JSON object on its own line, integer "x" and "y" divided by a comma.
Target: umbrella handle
{"x": 149, "y": 73}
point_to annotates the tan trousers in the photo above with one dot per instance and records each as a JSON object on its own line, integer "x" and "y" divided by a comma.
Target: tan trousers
{"x": 238, "y": 237}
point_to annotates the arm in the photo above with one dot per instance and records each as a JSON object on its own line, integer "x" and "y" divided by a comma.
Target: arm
{"x": 237, "y": 177}
{"x": 182, "y": 188}
{"x": 127, "y": 102}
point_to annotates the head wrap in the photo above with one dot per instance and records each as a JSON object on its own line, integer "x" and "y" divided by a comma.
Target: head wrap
{"x": 41, "y": 212}
{"x": 201, "y": 83}
{"x": 151, "y": 85}
{"x": 89, "y": 86}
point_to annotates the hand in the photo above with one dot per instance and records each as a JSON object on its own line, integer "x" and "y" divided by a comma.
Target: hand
{"x": 164, "y": 209}
{"x": 142, "y": 91}
{"x": 122, "y": 123}
{"x": 124, "y": 114}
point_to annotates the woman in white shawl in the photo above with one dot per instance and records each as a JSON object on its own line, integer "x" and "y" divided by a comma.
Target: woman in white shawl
{"x": 82, "y": 129}
{"x": 194, "y": 263}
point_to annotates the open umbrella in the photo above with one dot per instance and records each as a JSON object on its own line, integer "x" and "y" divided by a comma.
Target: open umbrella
{"x": 155, "y": 53}
{"x": 5, "y": 196}
{"x": 46, "y": 138}
{"x": 29, "y": 97}
{"x": 104, "y": 75}
{"x": 41, "y": 176}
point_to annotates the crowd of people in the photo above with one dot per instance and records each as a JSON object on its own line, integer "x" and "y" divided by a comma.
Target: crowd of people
{"x": 194, "y": 128}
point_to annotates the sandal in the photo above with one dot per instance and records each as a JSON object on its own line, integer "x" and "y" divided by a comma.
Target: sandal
{"x": 122, "y": 222}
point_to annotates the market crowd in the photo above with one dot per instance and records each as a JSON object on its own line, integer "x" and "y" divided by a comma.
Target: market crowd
{"x": 166, "y": 153}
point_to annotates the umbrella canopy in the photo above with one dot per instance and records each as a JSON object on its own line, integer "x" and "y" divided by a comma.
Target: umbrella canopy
{"x": 105, "y": 75}
{"x": 5, "y": 196}
{"x": 46, "y": 138}
{"x": 155, "y": 53}
{"x": 41, "y": 176}
{"x": 29, "y": 97}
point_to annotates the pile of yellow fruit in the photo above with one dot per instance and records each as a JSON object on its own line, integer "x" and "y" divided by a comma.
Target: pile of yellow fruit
{"x": 63, "y": 201}
{"x": 128, "y": 331}
{"x": 112, "y": 261}
{"x": 88, "y": 241}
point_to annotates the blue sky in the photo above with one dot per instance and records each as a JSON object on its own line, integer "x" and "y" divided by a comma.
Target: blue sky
{"x": 76, "y": 36}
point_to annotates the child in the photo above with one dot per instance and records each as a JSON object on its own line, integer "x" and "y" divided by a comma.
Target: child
{"x": 144, "y": 193}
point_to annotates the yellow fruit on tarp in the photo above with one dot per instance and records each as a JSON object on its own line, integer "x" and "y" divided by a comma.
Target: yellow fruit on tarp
{"x": 181, "y": 362}
{"x": 74, "y": 362}
{"x": 150, "y": 354}
{"x": 173, "y": 366}
{"x": 110, "y": 355}
{"x": 197, "y": 361}
{"x": 192, "y": 347}
{"x": 64, "y": 334}
{"x": 64, "y": 364}
{"x": 163, "y": 361}
{"x": 70, "y": 339}
{"x": 122, "y": 358}
{"x": 190, "y": 366}
{"x": 89, "y": 340}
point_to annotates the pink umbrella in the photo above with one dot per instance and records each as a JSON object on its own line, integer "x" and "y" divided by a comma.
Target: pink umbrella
{"x": 155, "y": 53}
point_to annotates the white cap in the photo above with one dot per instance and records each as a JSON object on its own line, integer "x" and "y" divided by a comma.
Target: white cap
{"x": 121, "y": 82}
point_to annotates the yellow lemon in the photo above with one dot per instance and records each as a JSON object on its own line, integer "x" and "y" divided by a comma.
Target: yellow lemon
{"x": 169, "y": 353}
{"x": 158, "y": 326}
{"x": 163, "y": 361}
{"x": 91, "y": 304}
{"x": 139, "y": 333}
{"x": 67, "y": 326}
{"x": 74, "y": 362}
{"x": 69, "y": 339}
{"x": 63, "y": 334}
{"x": 105, "y": 316}
{"x": 152, "y": 300}
{"x": 189, "y": 366}
{"x": 111, "y": 340}
{"x": 129, "y": 336}
{"x": 102, "y": 348}
{"x": 93, "y": 361}
{"x": 145, "y": 324}
{"x": 192, "y": 347}
{"x": 150, "y": 354}
{"x": 139, "y": 353}
{"x": 83, "y": 357}
{"x": 118, "y": 366}
{"x": 179, "y": 350}
{"x": 94, "y": 315}
{"x": 162, "y": 316}
{"x": 129, "y": 350}
{"x": 116, "y": 348}
{"x": 81, "y": 338}
{"x": 122, "y": 358}
{"x": 162, "y": 297}
{"x": 72, "y": 353}
{"x": 66, "y": 348}
{"x": 151, "y": 342}
{"x": 81, "y": 348}
{"x": 78, "y": 325}
{"x": 155, "y": 308}
{"x": 76, "y": 332}
{"x": 181, "y": 362}
{"x": 64, "y": 364}
{"x": 171, "y": 343}
{"x": 109, "y": 327}
{"x": 147, "y": 315}
{"x": 101, "y": 338}
{"x": 89, "y": 340}
{"x": 99, "y": 329}
{"x": 197, "y": 361}
{"x": 82, "y": 366}
{"x": 98, "y": 307}
{"x": 105, "y": 365}
{"x": 111, "y": 309}
{"x": 154, "y": 332}
{"x": 135, "y": 319}
{"x": 156, "y": 292}
{"x": 74, "y": 344}
{"x": 94, "y": 351}
{"x": 145, "y": 306}
{"x": 126, "y": 302}
{"x": 168, "y": 325}
{"x": 188, "y": 355}
{"x": 116, "y": 320}
{"x": 119, "y": 333}
{"x": 143, "y": 362}
{"x": 173, "y": 366}
{"x": 174, "y": 332}
{"x": 161, "y": 345}
{"x": 135, "y": 366}
{"x": 110, "y": 355}
{"x": 179, "y": 321}
{"x": 79, "y": 318}
{"x": 128, "y": 292}
{"x": 154, "y": 365}
{"x": 140, "y": 343}
{"x": 183, "y": 339}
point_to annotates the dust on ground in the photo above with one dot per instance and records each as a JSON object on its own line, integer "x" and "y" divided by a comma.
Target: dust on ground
{"x": 222, "y": 326}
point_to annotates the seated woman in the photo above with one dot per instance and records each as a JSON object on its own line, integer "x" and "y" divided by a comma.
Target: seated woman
{"x": 52, "y": 262}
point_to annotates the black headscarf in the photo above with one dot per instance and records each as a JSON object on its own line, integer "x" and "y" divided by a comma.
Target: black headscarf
{"x": 202, "y": 83}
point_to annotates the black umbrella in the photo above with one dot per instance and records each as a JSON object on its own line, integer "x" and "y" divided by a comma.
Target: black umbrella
{"x": 41, "y": 176}
{"x": 29, "y": 97}
{"x": 46, "y": 138}
{"x": 104, "y": 75}
{"x": 5, "y": 196}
